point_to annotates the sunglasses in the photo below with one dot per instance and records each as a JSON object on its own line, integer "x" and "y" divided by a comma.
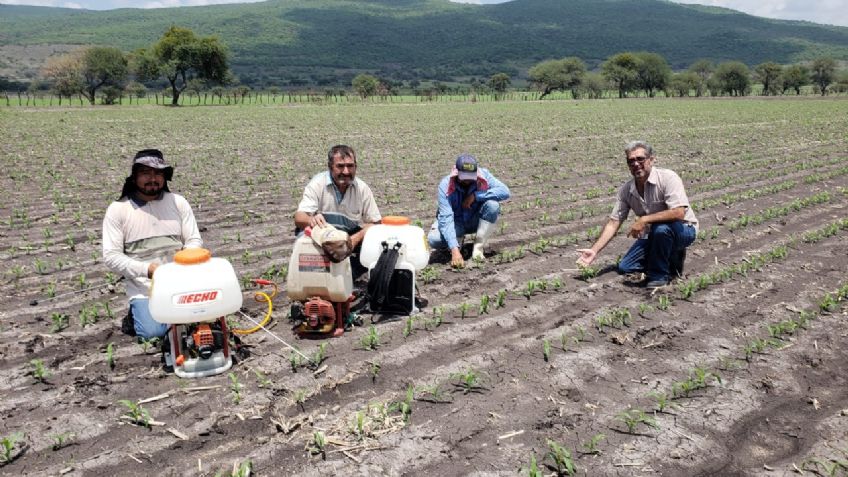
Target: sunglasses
{"x": 637, "y": 160}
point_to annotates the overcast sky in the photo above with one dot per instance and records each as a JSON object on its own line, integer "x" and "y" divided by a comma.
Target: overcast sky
{"x": 834, "y": 12}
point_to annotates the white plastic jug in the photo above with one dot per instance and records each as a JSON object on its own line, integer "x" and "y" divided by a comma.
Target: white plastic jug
{"x": 194, "y": 288}
{"x": 311, "y": 274}
{"x": 396, "y": 229}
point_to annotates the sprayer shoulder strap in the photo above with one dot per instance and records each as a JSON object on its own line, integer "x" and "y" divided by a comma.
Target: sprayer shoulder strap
{"x": 381, "y": 276}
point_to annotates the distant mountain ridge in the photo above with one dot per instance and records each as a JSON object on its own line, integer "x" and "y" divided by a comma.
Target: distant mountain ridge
{"x": 327, "y": 41}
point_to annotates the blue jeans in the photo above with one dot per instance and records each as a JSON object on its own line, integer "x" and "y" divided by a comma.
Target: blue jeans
{"x": 653, "y": 254}
{"x": 145, "y": 326}
{"x": 489, "y": 211}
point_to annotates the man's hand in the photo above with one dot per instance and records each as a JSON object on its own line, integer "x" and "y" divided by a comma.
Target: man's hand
{"x": 151, "y": 268}
{"x": 468, "y": 201}
{"x": 317, "y": 220}
{"x": 587, "y": 256}
{"x": 637, "y": 229}
{"x": 456, "y": 258}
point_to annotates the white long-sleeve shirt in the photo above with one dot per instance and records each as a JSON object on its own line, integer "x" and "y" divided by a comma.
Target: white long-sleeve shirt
{"x": 136, "y": 234}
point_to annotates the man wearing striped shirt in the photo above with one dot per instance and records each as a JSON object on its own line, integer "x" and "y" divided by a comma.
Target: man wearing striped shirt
{"x": 143, "y": 229}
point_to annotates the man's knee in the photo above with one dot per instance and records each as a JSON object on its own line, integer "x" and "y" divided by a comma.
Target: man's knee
{"x": 145, "y": 326}
{"x": 490, "y": 210}
{"x": 662, "y": 230}
{"x": 435, "y": 239}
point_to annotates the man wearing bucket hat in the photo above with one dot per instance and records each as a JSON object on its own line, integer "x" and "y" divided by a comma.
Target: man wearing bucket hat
{"x": 469, "y": 202}
{"x": 143, "y": 229}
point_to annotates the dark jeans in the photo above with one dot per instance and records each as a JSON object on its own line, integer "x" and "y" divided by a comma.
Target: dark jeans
{"x": 654, "y": 254}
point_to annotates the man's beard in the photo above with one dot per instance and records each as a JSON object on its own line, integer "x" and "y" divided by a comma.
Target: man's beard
{"x": 151, "y": 189}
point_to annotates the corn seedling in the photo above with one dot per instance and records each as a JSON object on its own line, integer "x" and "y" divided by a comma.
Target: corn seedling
{"x": 405, "y": 406}
{"x": 663, "y": 401}
{"x": 8, "y": 443}
{"x": 136, "y": 413}
{"x": 300, "y": 398}
{"x": 591, "y": 445}
{"x": 374, "y": 371}
{"x": 663, "y": 302}
{"x": 565, "y": 341}
{"x": 110, "y": 355}
{"x": 318, "y": 444}
{"x": 59, "y": 320}
{"x": 39, "y": 371}
{"x": 429, "y": 274}
{"x": 828, "y": 303}
{"x": 295, "y": 360}
{"x": 320, "y": 354}
{"x": 409, "y": 326}
{"x": 81, "y": 281}
{"x": 263, "y": 380}
{"x": 433, "y": 393}
{"x": 469, "y": 381}
{"x": 546, "y": 349}
{"x": 532, "y": 470}
{"x": 484, "y": 305}
{"x": 561, "y": 457}
{"x": 147, "y": 344}
{"x": 500, "y": 300}
{"x": 50, "y": 289}
{"x": 358, "y": 425}
{"x": 39, "y": 266}
{"x": 243, "y": 469}
{"x": 438, "y": 317}
{"x": 463, "y": 310}
{"x": 587, "y": 272}
{"x": 370, "y": 340}
{"x": 62, "y": 440}
{"x": 235, "y": 387}
{"x": 634, "y": 417}
{"x": 529, "y": 289}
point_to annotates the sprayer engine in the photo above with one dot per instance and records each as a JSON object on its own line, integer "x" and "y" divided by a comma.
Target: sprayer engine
{"x": 318, "y": 317}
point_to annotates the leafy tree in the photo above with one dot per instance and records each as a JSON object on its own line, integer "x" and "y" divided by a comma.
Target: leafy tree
{"x": 795, "y": 77}
{"x": 823, "y": 72}
{"x": 841, "y": 82}
{"x": 65, "y": 73}
{"x": 733, "y": 78}
{"x": 622, "y": 70}
{"x": 86, "y": 71}
{"x": 768, "y": 74}
{"x": 181, "y": 56}
{"x": 102, "y": 66}
{"x": 365, "y": 85}
{"x": 499, "y": 82}
{"x": 594, "y": 85}
{"x": 703, "y": 69}
{"x": 558, "y": 75}
{"x": 683, "y": 83}
{"x": 652, "y": 72}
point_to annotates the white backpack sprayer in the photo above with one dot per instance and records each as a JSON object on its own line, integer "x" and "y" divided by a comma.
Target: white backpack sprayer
{"x": 320, "y": 282}
{"x": 393, "y": 251}
{"x": 193, "y": 294}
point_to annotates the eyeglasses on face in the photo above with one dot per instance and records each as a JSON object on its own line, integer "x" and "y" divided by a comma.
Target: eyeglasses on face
{"x": 636, "y": 160}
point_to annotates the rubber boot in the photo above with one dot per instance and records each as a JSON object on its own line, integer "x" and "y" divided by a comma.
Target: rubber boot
{"x": 484, "y": 230}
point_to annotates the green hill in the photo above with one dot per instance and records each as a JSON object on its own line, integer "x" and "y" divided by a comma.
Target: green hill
{"x": 327, "y": 41}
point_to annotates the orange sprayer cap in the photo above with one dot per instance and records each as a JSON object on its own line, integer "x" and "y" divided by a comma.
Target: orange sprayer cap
{"x": 395, "y": 220}
{"x": 191, "y": 256}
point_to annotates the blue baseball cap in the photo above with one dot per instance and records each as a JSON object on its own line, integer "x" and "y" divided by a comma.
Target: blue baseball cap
{"x": 466, "y": 164}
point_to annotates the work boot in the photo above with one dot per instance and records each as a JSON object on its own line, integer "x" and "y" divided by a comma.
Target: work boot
{"x": 484, "y": 230}
{"x": 128, "y": 324}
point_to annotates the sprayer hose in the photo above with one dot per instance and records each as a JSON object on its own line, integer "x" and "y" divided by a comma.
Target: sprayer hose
{"x": 261, "y": 297}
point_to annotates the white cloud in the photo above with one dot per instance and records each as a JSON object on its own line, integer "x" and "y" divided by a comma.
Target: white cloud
{"x": 832, "y": 12}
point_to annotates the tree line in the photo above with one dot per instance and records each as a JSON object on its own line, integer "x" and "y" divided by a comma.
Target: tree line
{"x": 189, "y": 63}
{"x": 632, "y": 72}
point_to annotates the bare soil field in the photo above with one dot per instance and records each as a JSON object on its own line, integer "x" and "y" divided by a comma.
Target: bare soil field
{"x": 517, "y": 363}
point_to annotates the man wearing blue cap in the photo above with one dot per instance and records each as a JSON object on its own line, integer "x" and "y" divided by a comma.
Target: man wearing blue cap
{"x": 469, "y": 202}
